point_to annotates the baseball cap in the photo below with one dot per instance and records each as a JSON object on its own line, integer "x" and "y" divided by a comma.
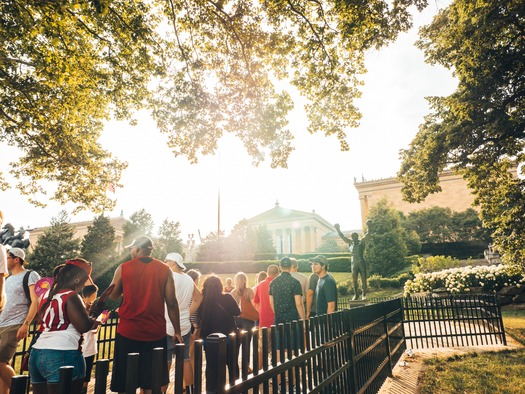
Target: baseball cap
{"x": 82, "y": 264}
{"x": 285, "y": 262}
{"x": 177, "y": 258}
{"x": 319, "y": 259}
{"x": 17, "y": 252}
{"x": 142, "y": 242}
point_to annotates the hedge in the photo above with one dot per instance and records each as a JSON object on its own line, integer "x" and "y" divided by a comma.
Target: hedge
{"x": 336, "y": 264}
{"x": 298, "y": 256}
{"x": 459, "y": 250}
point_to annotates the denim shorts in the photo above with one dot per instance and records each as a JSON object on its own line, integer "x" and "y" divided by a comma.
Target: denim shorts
{"x": 44, "y": 364}
{"x": 170, "y": 346}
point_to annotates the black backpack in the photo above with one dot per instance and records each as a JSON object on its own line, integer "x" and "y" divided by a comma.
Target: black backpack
{"x": 25, "y": 285}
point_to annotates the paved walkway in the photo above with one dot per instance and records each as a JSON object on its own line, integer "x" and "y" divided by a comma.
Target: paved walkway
{"x": 411, "y": 364}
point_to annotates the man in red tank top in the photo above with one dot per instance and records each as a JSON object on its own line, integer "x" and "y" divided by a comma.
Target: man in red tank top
{"x": 146, "y": 285}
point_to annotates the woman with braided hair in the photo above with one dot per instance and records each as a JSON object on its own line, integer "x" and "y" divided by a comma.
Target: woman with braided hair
{"x": 64, "y": 320}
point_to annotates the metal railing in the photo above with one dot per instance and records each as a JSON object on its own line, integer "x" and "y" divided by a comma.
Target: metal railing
{"x": 349, "y": 351}
{"x": 455, "y": 320}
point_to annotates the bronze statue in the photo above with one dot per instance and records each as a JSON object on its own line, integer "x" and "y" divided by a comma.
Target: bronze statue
{"x": 357, "y": 248}
{"x": 8, "y": 237}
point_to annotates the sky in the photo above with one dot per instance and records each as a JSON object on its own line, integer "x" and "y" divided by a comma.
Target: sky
{"x": 319, "y": 176}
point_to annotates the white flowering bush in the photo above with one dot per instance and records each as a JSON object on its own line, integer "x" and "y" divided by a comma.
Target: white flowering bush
{"x": 462, "y": 280}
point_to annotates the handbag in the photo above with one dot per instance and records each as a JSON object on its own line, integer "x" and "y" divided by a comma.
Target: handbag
{"x": 24, "y": 365}
{"x": 248, "y": 311}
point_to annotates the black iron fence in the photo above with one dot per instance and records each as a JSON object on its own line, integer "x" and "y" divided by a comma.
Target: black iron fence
{"x": 459, "y": 320}
{"x": 350, "y": 351}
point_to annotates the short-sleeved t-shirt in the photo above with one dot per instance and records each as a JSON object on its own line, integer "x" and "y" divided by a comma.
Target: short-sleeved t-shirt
{"x": 3, "y": 260}
{"x": 17, "y": 304}
{"x": 262, "y": 297}
{"x": 303, "y": 280}
{"x": 312, "y": 285}
{"x": 283, "y": 289}
{"x": 325, "y": 292}
{"x": 184, "y": 292}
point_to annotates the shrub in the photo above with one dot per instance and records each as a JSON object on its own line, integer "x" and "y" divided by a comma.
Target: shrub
{"x": 460, "y": 280}
{"x": 404, "y": 277}
{"x": 434, "y": 263}
{"x": 378, "y": 282}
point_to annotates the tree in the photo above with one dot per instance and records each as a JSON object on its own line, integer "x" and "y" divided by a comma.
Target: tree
{"x": 213, "y": 248}
{"x": 98, "y": 247}
{"x": 386, "y": 247}
{"x": 330, "y": 246}
{"x": 203, "y": 69}
{"x": 467, "y": 226}
{"x": 140, "y": 223}
{"x": 431, "y": 224}
{"x": 440, "y": 225}
{"x": 169, "y": 240}
{"x": 263, "y": 241}
{"x": 55, "y": 246}
{"x": 241, "y": 243}
{"x": 479, "y": 129}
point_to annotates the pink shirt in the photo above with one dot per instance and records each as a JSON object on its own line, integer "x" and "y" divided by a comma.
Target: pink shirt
{"x": 262, "y": 297}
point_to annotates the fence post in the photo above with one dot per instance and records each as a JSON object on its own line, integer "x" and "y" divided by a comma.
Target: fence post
{"x": 387, "y": 340}
{"x": 65, "y": 379}
{"x": 215, "y": 363}
{"x": 101, "y": 376}
{"x": 197, "y": 365}
{"x": 245, "y": 353}
{"x": 351, "y": 349}
{"x": 19, "y": 384}
{"x": 179, "y": 369}
{"x": 159, "y": 360}
{"x": 132, "y": 373}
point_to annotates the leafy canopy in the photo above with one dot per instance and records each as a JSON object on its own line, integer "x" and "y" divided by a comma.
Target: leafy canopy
{"x": 203, "y": 68}
{"x": 479, "y": 130}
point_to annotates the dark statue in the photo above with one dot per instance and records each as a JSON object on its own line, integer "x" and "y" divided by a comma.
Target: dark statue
{"x": 357, "y": 249}
{"x": 14, "y": 240}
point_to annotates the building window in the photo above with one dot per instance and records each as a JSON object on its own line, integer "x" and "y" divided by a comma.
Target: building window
{"x": 279, "y": 244}
{"x": 287, "y": 244}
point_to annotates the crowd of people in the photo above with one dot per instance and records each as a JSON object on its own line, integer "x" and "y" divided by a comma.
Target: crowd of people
{"x": 162, "y": 305}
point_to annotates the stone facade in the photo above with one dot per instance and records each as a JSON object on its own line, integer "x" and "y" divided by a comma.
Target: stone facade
{"x": 295, "y": 231}
{"x": 81, "y": 229}
{"x": 454, "y": 195}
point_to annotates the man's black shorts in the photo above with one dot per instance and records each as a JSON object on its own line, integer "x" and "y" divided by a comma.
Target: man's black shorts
{"x": 123, "y": 346}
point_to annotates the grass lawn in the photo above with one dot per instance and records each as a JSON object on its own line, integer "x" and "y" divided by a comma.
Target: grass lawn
{"x": 339, "y": 277}
{"x": 481, "y": 373}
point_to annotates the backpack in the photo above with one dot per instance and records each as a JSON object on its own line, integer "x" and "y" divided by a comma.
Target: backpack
{"x": 25, "y": 285}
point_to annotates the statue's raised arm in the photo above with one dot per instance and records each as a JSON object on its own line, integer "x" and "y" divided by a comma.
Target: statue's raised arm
{"x": 338, "y": 229}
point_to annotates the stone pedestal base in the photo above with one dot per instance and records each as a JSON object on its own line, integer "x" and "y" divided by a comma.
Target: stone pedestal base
{"x": 357, "y": 303}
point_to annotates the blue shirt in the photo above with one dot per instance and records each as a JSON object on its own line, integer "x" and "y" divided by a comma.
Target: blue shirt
{"x": 325, "y": 292}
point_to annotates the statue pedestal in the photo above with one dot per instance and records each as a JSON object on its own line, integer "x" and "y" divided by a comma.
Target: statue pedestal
{"x": 357, "y": 303}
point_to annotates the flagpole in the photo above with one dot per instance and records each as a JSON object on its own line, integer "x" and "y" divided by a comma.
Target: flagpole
{"x": 219, "y": 202}
{"x": 219, "y": 213}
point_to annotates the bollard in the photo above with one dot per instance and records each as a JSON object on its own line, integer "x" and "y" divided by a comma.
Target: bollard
{"x": 197, "y": 361}
{"x": 179, "y": 368}
{"x": 215, "y": 363}
{"x": 132, "y": 373}
{"x": 19, "y": 384}
{"x": 159, "y": 359}
{"x": 101, "y": 376}
{"x": 245, "y": 354}
{"x": 232, "y": 357}
{"x": 65, "y": 379}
